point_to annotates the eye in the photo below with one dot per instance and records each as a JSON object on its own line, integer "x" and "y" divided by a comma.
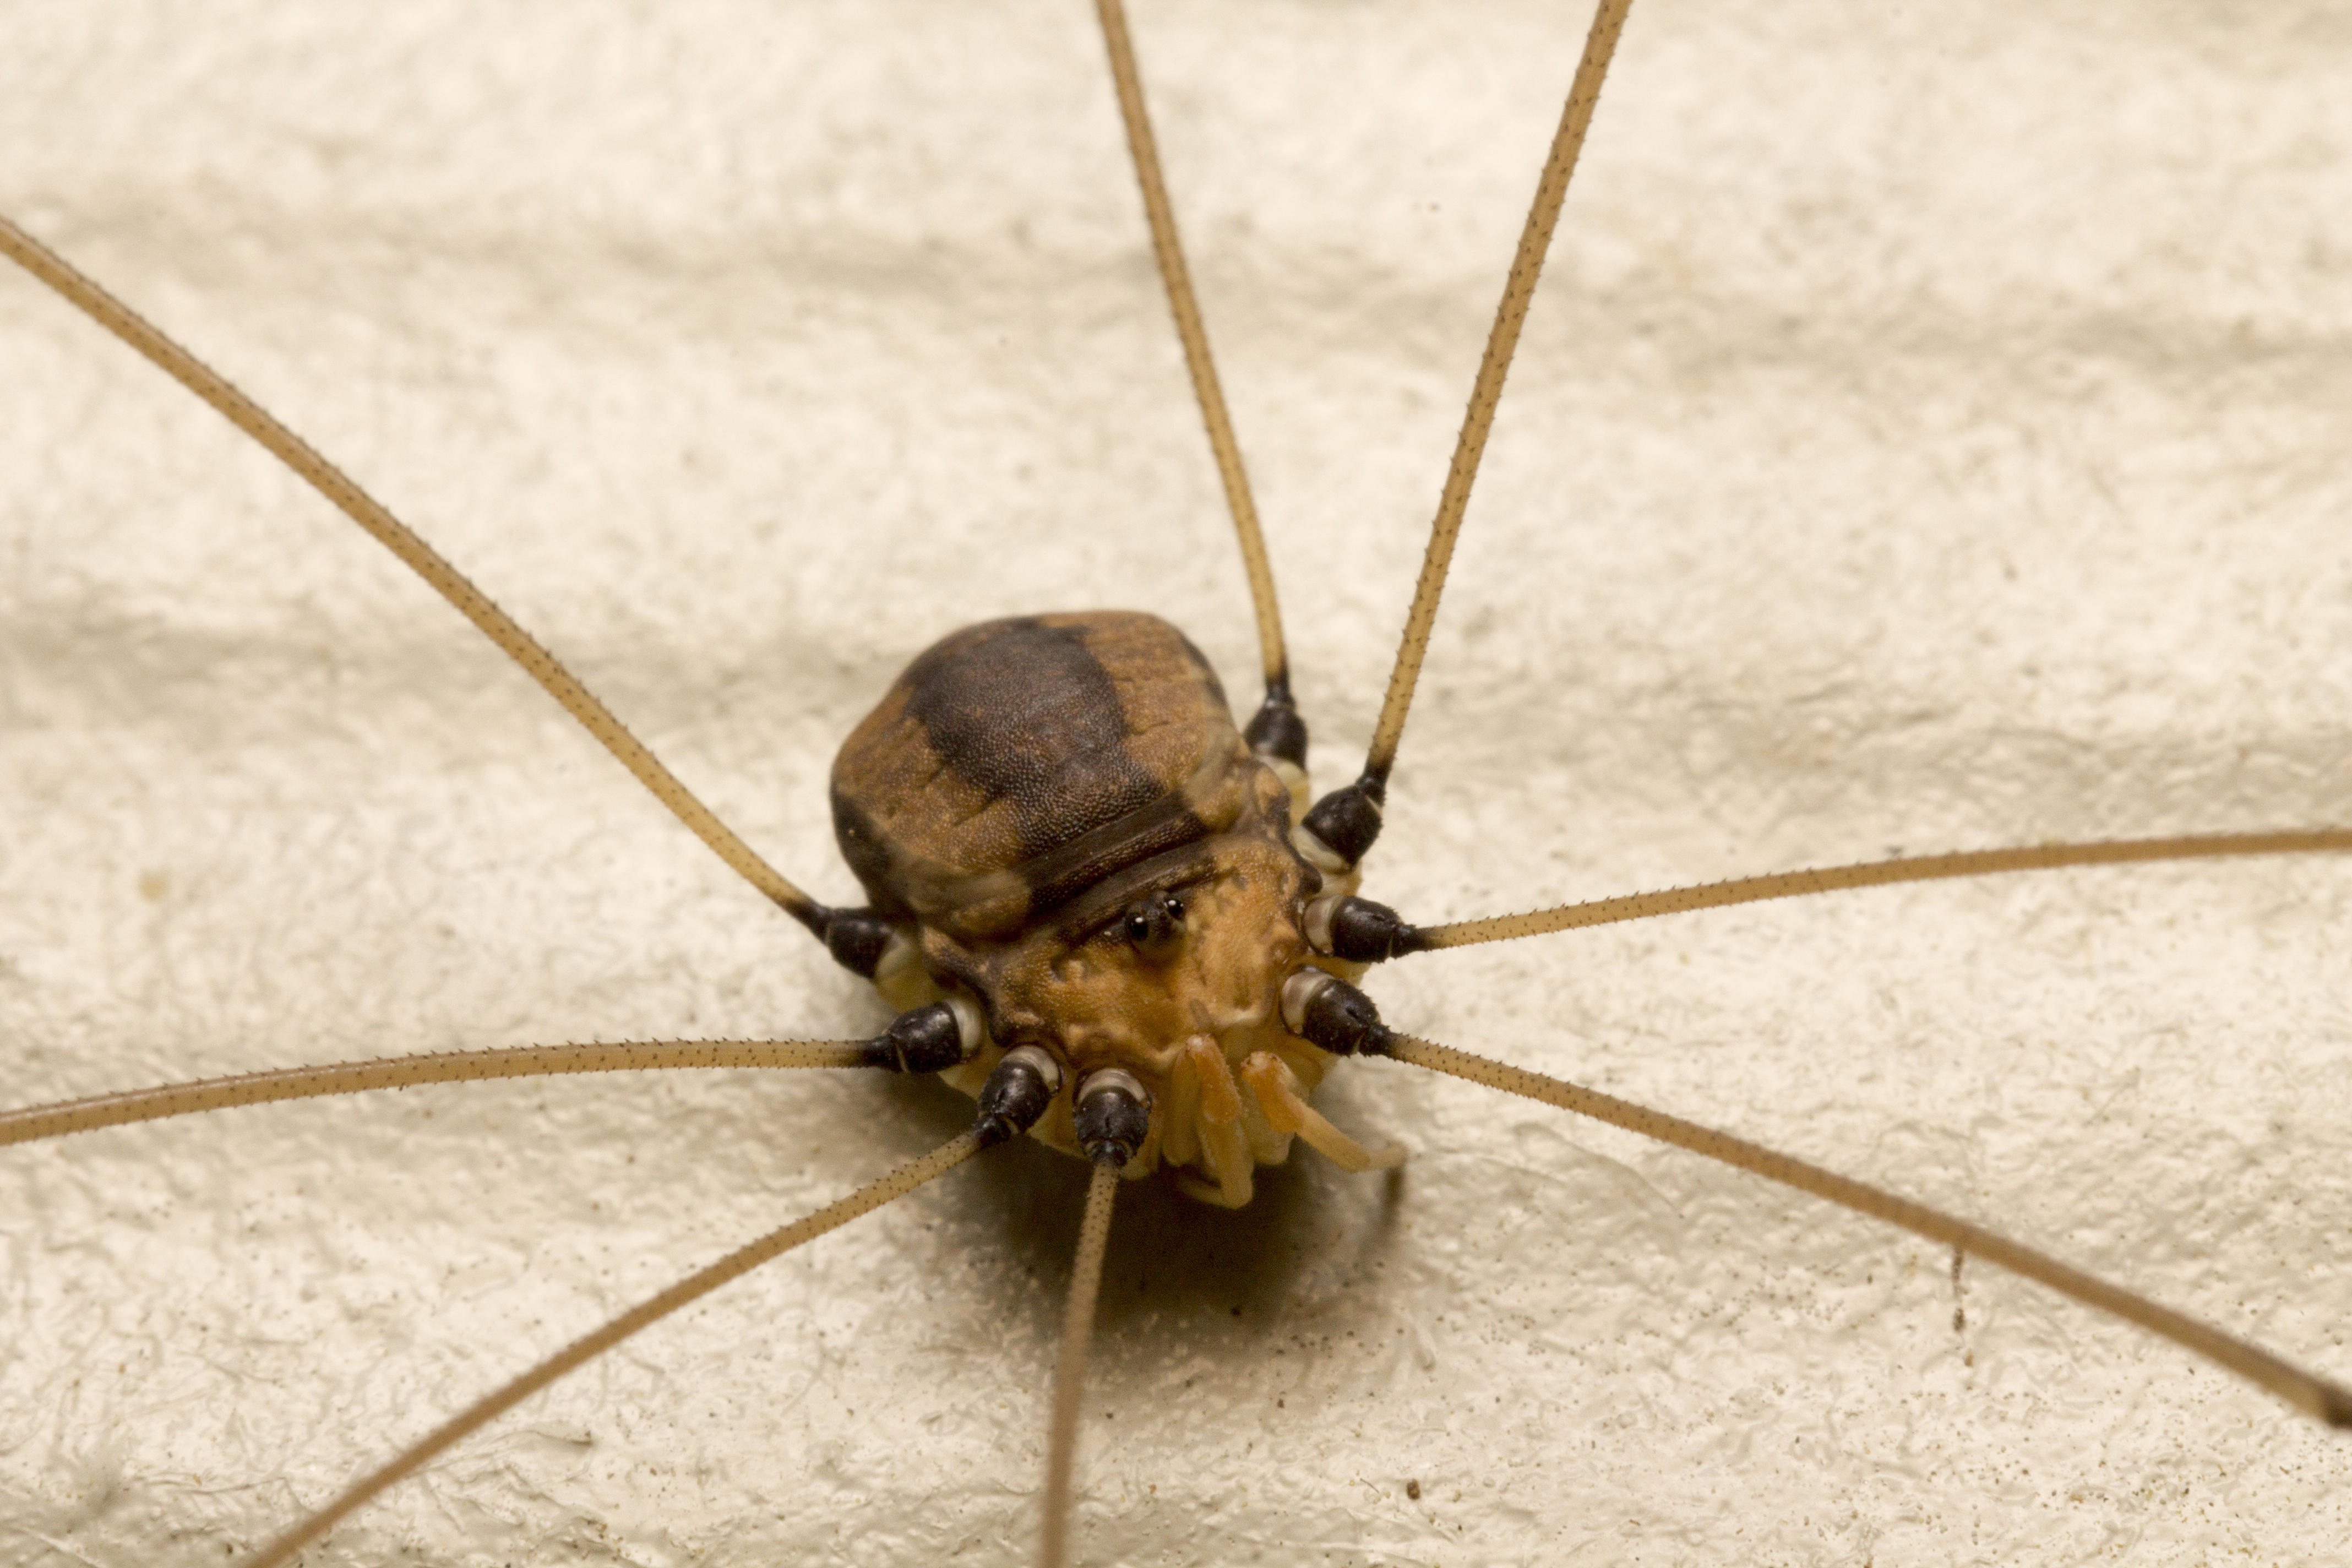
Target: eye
{"x": 1154, "y": 926}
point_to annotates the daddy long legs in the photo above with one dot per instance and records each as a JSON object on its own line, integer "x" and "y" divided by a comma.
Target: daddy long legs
{"x": 1919, "y": 498}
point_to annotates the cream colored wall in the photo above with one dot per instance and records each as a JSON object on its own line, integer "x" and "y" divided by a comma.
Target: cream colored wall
{"x": 1930, "y": 437}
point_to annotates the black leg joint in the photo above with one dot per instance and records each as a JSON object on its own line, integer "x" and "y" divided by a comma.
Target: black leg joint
{"x": 1347, "y": 820}
{"x": 1113, "y": 1115}
{"x": 1332, "y": 1015}
{"x": 925, "y": 1039}
{"x": 856, "y": 938}
{"x": 1017, "y": 1094}
{"x": 1278, "y": 729}
{"x": 1360, "y": 931}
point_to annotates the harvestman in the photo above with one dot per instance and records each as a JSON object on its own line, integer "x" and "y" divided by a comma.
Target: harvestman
{"x": 1426, "y": 606}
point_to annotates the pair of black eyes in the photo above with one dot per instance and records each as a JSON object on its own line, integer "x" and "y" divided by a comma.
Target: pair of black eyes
{"x": 1154, "y": 924}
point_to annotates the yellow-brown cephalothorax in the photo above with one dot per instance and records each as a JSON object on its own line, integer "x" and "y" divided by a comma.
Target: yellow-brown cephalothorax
{"x": 1062, "y": 823}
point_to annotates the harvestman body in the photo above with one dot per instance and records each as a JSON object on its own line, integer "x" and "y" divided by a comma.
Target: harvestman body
{"x": 1057, "y": 815}
{"x": 1052, "y": 904}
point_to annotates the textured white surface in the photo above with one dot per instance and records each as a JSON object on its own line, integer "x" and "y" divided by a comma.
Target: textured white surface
{"x": 1931, "y": 437}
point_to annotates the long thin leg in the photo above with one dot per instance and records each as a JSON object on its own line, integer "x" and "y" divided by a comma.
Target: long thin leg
{"x": 930, "y": 1038}
{"x": 1366, "y": 933}
{"x": 693, "y": 1288}
{"x": 1070, "y": 1369}
{"x": 1346, "y": 821}
{"x": 2316, "y": 1395}
{"x": 355, "y": 503}
{"x": 1167, "y": 248}
{"x": 38, "y": 1122}
{"x": 1486, "y": 392}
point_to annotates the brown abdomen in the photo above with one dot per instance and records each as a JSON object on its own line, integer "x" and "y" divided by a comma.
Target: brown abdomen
{"x": 1017, "y": 761}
